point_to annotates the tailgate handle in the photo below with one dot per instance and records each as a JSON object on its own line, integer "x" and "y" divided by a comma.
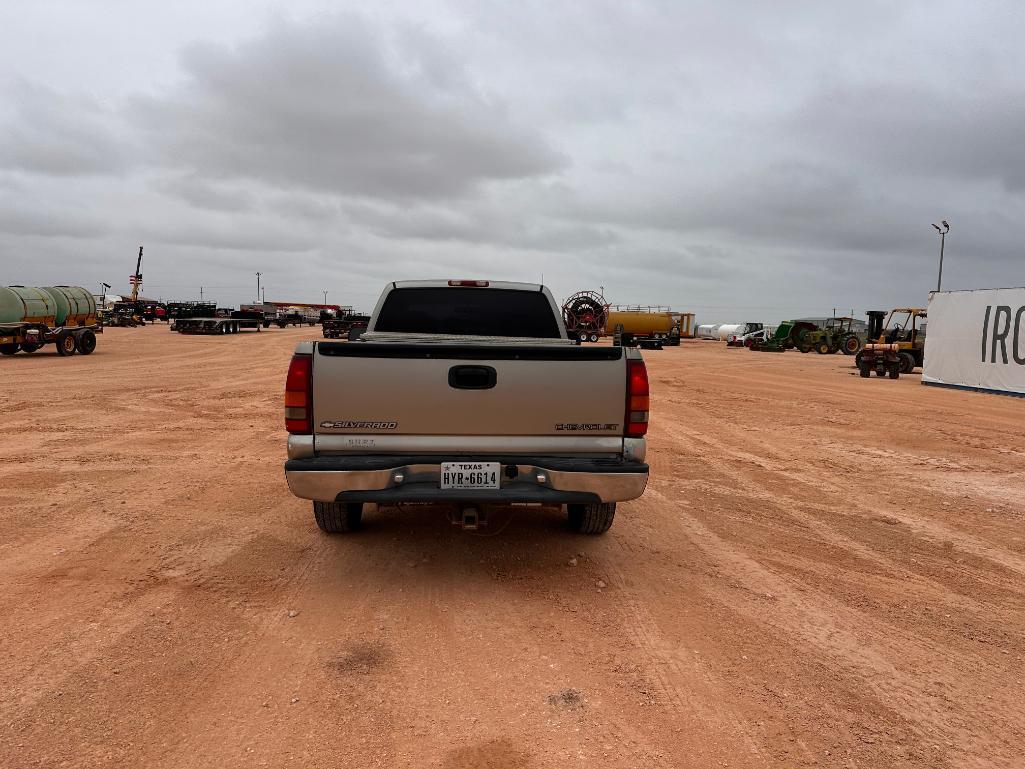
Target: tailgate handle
{"x": 472, "y": 377}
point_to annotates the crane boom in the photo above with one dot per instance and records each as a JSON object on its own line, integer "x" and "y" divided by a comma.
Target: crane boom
{"x": 137, "y": 282}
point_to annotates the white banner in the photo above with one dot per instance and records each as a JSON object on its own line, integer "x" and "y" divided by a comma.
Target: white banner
{"x": 976, "y": 339}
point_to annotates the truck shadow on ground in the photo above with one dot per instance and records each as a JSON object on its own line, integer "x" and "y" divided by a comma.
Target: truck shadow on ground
{"x": 516, "y": 543}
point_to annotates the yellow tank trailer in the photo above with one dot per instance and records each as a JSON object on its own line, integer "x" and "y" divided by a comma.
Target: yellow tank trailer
{"x": 667, "y": 326}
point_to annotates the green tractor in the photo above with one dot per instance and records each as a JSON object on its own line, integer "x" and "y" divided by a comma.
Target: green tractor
{"x": 838, "y": 334}
{"x": 788, "y": 335}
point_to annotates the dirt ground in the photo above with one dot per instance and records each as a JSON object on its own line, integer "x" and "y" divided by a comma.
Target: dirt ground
{"x": 824, "y": 571}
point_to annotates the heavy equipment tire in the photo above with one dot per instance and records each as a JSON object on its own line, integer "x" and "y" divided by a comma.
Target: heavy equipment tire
{"x": 894, "y": 370}
{"x": 593, "y": 518}
{"x": 9, "y": 349}
{"x": 881, "y": 370}
{"x": 266, "y": 324}
{"x": 804, "y": 348}
{"x": 338, "y": 517}
{"x": 823, "y": 348}
{"x": 907, "y": 363}
{"x": 65, "y": 343}
{"x": 85, "y": 342}
{"x": 851, "y": 345}
{"x": 865, "y": 370}
{"x": 29, "y": 347}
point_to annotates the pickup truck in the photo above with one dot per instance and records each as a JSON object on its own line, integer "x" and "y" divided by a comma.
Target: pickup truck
{"x": 467, "y": 392}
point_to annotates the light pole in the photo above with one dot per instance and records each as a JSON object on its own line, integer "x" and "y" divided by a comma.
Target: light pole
{"x": 325, "y": 297}
{"x": 258, "y": 286}
{"x": 943, "y": 237}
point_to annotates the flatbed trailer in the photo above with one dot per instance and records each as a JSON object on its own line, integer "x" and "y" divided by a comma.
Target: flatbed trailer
{"x": 211, "y": 326}
{"x": 29, "y": 337}
{"x": 250, "y": 319}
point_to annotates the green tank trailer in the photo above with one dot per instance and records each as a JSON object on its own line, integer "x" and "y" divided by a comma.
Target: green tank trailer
{"x": 32, "y": 317}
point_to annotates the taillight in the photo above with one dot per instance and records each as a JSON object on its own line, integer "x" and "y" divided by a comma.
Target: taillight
{"x": 299, "y": 395}
{"x": 636, "y": 420}
{"x": 470, "y": 283}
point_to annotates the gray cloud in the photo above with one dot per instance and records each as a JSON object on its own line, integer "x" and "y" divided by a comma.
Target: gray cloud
{"x": 60, "y": 135}
{"x": 334, "y": 107}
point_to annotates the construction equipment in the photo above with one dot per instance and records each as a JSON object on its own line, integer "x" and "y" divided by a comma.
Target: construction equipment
{"x": 895, "y": 347}
{"x": 789, "y": 334}
{"x": 136, "y": 279}
{"x": 126, "y": 314}
{"x": 838, "y": 334}
{"x": 585, "y": 314}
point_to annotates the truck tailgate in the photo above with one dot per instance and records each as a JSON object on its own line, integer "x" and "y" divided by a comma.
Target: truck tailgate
{"x": 400, "y": 396}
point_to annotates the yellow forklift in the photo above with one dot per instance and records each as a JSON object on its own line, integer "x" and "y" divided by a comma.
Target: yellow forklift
{"x": 894, "y": 347}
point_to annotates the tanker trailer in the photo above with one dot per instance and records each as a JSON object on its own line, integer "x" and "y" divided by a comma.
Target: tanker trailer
{"x": 60, "y": 315}
{"x": 663, "y": 326}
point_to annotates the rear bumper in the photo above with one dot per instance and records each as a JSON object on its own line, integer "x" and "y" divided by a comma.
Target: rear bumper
{"x": 384, "y": 479}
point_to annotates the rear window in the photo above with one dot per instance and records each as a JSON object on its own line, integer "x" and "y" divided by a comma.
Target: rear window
{"x": 468, "y": 312}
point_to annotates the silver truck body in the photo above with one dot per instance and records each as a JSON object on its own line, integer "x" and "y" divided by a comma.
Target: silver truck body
{"x": 388, "y": 410}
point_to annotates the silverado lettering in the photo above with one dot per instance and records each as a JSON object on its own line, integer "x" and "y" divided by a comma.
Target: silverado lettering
{"x": 349, "y": 425}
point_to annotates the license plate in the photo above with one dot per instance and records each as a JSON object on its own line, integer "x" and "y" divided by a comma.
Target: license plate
{"x": 470, "y": 475}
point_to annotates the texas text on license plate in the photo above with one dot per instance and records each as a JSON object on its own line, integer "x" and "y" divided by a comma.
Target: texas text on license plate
{"x": 470, "y": 475}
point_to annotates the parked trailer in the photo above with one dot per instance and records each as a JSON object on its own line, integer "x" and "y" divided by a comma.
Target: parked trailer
{"x": 661, "y": 326}
{"x": 250, "y": 318}
{"x": 211, "y": 326}
{"x": 31, "y": 317}
{"x": 348, "y": 326}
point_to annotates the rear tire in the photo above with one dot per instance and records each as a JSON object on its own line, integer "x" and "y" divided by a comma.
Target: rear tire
{"x": 8, "y": 349}
{"x": 85, "y": 342}
{"x": 594, "y": 518}
{"x": 851, "y": 345}
{"x": 907, "y": 363}
{"x": 65, "y": 343}
{"x": 338, "y": 517}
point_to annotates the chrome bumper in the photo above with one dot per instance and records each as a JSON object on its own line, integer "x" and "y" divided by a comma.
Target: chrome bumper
{"x": 421, "y": 481}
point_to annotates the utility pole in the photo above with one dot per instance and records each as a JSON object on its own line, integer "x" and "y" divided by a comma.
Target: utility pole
{"x": 264, "y": 296}
{"x": 201, "y": 293}
{"x": 325, "y": 297}
{"x": 258, "y": 286}
{"x": 943, "y": 238}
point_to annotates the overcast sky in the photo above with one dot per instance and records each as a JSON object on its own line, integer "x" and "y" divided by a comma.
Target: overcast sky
{"x": 743, "y": 160}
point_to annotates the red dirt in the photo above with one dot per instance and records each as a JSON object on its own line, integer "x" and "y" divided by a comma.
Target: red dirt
{"x": 825, "y": 571}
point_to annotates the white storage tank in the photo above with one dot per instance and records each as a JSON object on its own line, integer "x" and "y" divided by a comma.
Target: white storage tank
{"x": 707, "y": 331}
{"x": 725, "y": 330}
